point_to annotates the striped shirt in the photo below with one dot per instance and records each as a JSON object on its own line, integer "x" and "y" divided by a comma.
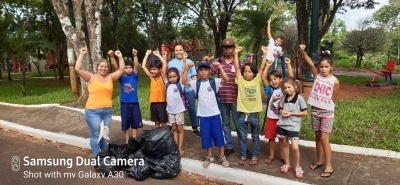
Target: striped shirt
{"x": 229, "y": 91}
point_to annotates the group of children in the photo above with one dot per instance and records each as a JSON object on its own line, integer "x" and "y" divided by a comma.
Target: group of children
{"x": 285, "y": 104}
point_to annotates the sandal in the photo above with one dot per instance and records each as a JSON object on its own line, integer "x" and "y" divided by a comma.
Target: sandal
{"x": 299, "y": 173}
{"x": 268, "y": 160}
{"x": 327, "y": 174}
{"x": 253, "y": 162}
{"x": 314, "y": 166}
{"x": 242, "y": 161}
{"x": 285, "y": 168}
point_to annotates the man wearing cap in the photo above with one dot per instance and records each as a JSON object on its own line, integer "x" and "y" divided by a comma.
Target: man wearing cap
{"x": 228, "y": 92}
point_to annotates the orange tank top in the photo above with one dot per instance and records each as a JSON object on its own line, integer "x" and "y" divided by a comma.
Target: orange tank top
{"x": 100, "y": 94}
{"x": 157, "y": 90}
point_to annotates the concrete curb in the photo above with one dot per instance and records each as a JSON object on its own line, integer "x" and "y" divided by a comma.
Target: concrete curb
{"x": 334, "y": 147}
{"x": 189, "y": 165}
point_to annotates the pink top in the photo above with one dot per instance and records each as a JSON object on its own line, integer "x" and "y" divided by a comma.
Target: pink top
{"x": 321, "y": 93}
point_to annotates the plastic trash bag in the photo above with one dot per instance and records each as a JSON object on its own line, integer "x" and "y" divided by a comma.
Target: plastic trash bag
{"x": 141, "y": 170}
{"x": 119, "y": 150}
{"x": 168, "y": 166}
{"x": 134, "y": 144}
{"x": 158, "y": 142}
{"x": 104, "y": 164}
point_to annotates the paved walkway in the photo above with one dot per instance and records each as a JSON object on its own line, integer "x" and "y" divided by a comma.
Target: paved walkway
{"x": 349, "y": 168}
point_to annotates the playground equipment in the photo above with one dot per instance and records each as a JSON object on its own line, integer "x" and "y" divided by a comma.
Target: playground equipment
{"x": 194, "y": 47}
{"x": 297, "y": 56}
{"x": 389, "y": 68}
{"x": 252, "y": 57}
{"x": 277, "y": 56}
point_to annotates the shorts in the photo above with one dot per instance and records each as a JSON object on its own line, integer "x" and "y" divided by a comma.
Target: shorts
{"x": 130, "y": 116}
{"x": 283, "y": 133}
{"x": 211, "y": 131}
{"x": 270, "y": 128}
{"x": 177, "y": 118}
{"x": 158, "y": 112}
{"x": 322, "y": 120}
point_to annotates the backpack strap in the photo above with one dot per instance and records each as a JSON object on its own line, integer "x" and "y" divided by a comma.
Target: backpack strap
{"x": 214, "y": 88}
{"x": 198, "y": 82}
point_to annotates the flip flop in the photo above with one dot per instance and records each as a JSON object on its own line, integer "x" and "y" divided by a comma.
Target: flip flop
{"x": 314, "y": 166}
{"x": 329, "y": 174}
{"x": 268, "y": 160}
{"x": 242, "y": 162}
{"x": 253, "y": 162}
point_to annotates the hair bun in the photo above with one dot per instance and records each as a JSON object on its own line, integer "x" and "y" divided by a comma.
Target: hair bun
{"x": 325, "y": 53}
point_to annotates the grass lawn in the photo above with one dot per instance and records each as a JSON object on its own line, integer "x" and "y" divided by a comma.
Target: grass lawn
{"x": 369, "y": 122}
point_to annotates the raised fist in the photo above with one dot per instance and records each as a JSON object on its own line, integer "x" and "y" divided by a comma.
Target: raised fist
{"x": 185, "y": 55}
{"x": 148, "y": 52}
{"x": 269, "y": 63}
{"x": 190, "y": 65}
{"x": 83, "y": 50}
{"x": 264, "y": 49}
{"x": 118, "y": 54}
{"x": 110, "y": 53}
{"x": 134, "y": 52}
{"x": 287, "y": 60}
{"x": 156, "y": 53}
{"x": 216, "y": 65}
{"x": 238, "y": 49}
{"x": 302, "y": 47}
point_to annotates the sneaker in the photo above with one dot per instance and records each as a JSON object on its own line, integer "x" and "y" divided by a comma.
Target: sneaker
{"x": 223, "y": 161}
{"x": 196, "y": 132}
{"x": 207, "y": 161}
{"x": 228, "y": 152}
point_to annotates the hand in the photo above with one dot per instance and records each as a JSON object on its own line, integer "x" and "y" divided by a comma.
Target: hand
{"x": 156, "y": 53}
{"x": 216, "y": 65}
{"x": 190, "y": 65}
{"x": 269, "y": 63}
{"x": 165, "y": 53}
{"x": 185, "y": 55}
{"x": 302, "y": 47}
{"x": 118, "y": 54}
{"x": 148, "y": 52}
{"x": 281, "y": 53}
{"x": 287, "y": 60}
{"x": 269, "y": 21}
{"x": 264, "y": 49}
{"x": 83, "y": 51}
{"x": 286, "y": 114}
{"x": 238, "y": 49}
{"x": 134, "y": 52}
{"x": 208, "y": 57}
{"x": 111, "y": 53}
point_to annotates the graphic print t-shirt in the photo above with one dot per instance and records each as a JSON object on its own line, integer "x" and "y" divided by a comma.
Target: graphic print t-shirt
{"x": 273, "y": 106}
{"x": 128, "y": 88}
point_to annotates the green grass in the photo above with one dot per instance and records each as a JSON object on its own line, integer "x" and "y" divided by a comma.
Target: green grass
{"x": 368, "y": 122}
{"x": 33, "y": 74}
{"x": 356, "y": 80}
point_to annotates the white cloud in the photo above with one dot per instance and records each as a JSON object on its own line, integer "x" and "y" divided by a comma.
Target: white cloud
{"x": 352, "y": 16}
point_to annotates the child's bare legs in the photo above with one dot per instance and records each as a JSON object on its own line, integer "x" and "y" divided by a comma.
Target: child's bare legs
{"x": 175, "y": 132}
{"x": 157, "y": 124}
{"x": 326, "y": 147}
{"x": 285, "y": 147}
{"x": 126, "y": 132}
{"x": 221, "y": 151}
{"x": 296, "y": 153}
{"x": 271, "y": 151}
{"x": 319, "y": 148}
{"x": 283, "y": 158}
{"x": 134, "y": 132}
{"x": 180, "y": 138}
{"x": 163, "y": 124}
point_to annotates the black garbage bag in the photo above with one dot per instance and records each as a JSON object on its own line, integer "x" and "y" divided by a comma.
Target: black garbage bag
{"x": 168, "y": 166}
{"x": 104, "y": 163}
{"x": 141, "y": 169}
{"x": 120, "y": 150}
{"x": 159, "y": 142}
{"x": 134, "y": 144}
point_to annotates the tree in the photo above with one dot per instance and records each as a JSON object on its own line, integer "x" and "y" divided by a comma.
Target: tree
{"x": 216, "y": 14}
{"x": 364, "y": 40}
{"x": 81, "y": 23}
{"x": 327, "y": 12}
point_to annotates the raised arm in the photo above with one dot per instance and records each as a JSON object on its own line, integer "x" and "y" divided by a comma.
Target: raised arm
{"x": 237, "y": 65}
{"x": 335, "y": 90}
{"x": 225, "y": 77}
{"x": 118, "y": 73}
{"x": 289, "y": 67}
{"x": 135, "y": 62}
{"x": 144, "y": 63}
{"x": 113, "y": 61}
{"x": 269, "y": 29}
{"x": 265, "y": 73}
{"x": 164, "y": 63}
{"x": 185, "y": 69}
{"x": 308, "y": 60}
{"x": 78, "y": 65}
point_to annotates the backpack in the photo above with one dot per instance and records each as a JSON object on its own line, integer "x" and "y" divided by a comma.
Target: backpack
{"x": 181, "y": 92}
{"x": 213, "y": 87}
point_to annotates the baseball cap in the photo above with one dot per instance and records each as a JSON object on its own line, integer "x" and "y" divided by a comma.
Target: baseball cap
{"x": 203, "y": 63}
{"x": 228, "y": 42}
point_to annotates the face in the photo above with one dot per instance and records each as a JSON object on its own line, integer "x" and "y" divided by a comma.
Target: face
{"x": 128, "y": 69}
{"x": 179, "y": 52}
{"x": 172, "y": 77}
{"x": 155, "y": 72}
{"x": 325, "y": 68}
{"x": 247, "y": 73}
{"x": 274, "y": 81}
{"x": 228, "y": 50}
{"x": 278, "y": 41}
{"x": 289, "y": 89}
{"x": 204, "y": 73}
{"x": 102, "y": 68}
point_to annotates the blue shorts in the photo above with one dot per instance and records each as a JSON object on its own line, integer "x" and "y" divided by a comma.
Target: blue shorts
{"x": 211, "y": 130}
{"x": 130, "y": 116}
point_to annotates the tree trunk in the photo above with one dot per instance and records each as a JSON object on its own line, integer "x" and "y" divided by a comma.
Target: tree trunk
{"x": 23, "y": 78}
{"x": 9, "y": 71}
{"x": 303, "y": 13}
{"x": 72, "y": 72}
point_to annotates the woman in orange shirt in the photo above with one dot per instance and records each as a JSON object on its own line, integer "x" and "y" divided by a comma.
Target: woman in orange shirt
{"x": 98, "y": 106}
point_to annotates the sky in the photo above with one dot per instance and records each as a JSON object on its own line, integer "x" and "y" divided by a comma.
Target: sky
{"x": 352, "y": 16}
